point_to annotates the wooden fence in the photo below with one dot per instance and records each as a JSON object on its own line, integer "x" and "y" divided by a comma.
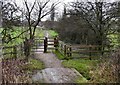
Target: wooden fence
{"x": 68, "y": 50}
{"x": 50, "y": 44}
{"x": 15, "y": 51}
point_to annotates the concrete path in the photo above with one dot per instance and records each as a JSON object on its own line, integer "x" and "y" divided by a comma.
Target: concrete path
{"x": 49, "y": 59}
{"x": 54, "y": 72}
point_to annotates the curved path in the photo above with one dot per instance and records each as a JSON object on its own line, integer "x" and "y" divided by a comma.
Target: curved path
{"x": 54, "y": 71}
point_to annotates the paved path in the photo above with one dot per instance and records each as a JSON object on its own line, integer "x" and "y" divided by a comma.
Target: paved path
{"x": 49, "y": 59}
{"x": 54, "y": 71}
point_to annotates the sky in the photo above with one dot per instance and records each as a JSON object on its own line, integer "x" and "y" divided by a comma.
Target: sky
{"x": 60, "y": 6}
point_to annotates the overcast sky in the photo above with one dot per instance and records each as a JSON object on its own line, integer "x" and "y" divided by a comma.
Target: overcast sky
{"x": 60, "y": 6}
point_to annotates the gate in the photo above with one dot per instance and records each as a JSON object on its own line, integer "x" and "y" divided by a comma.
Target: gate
{"x": 45, "y": 45}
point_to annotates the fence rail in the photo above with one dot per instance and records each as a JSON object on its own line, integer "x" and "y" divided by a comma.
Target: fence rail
{"x": 15, "y": 51}
{"x": 67, "y": 50}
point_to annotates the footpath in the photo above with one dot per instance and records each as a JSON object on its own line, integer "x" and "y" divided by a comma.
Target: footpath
{"x": 54, "y": 71}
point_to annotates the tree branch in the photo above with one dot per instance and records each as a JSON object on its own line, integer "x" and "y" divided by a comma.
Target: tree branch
{"x": 18, "y": 35}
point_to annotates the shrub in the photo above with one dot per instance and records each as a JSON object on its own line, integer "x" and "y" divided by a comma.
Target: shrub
{"x": 109, "y": 71}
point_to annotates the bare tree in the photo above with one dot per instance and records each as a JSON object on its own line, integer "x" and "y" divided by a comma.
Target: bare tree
{"x": 9, "y": 19}
{"x": 35, "y": 12}
{"x": 52, "y": 15}
{"x": 99, "y": 15}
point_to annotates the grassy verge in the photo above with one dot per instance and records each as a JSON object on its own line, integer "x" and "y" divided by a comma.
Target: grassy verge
{"x": 52, "y": 33}
{"x": 81, "y": 79}
{"x": 34, "y": 64}
{"x": 40, "y": 33}
{"x": 83, "y": 66}
{"x": 59, "y": 55}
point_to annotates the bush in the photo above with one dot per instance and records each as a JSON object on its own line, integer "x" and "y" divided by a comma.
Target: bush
{"x": 33, "y": 64}
{"x": 109, "y": 71}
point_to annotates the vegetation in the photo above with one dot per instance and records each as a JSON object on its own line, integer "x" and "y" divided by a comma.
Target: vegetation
{"x": 114, "y": 39}
{"x": 92, "y": 22}
{"x": 52, "y": 33}
{"x": 81, "y": 65}
{"x": 81, "y": 80}
{"x": 85, "y": 23}
{"x": 108, "y": 70}
{"x": 33, "y": 65}
{"x": 59, "y": 55}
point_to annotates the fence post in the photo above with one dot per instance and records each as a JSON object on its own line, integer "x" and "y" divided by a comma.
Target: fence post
{"x": 15, "y": 51}
{"x": 70, "y": 51}
{"x": 102, "y": 49}
{"x": 45, "y": 44}
{"x": 56, "y": 43}
{"x": 90, "y": 52}
{"x": 65, "y": 50}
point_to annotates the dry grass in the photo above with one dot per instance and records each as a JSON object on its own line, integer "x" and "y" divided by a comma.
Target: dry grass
{"x": 109, "y": 71}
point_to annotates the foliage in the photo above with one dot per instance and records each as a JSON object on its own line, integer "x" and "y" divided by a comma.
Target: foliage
{"x": 11, "y": 71}
{"x": 81, "y": 65}
{"x": 59, "y": 55}
{"x": 108, "y": 70}
{"x": 114, "y": 39}
{"x": 33, "y": 64}
{"x": 75, "y": 32}
{"x": 89, "y": 25}
{"x": 80, "y": 80}
{"x": 52, "y": 33}
{"x": 41, "y": 33}
{"x": 14, "y": 33}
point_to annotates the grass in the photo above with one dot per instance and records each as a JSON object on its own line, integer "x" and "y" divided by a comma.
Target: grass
{"x": 17, "y": 30}
{"x": 8, "y": 56}
{"x": 52, "y": 33}
{"x": 40, "y": 33}
{"x": 81, "y": 79}
{"x": 34, "y": 64}
{"x": 83, "y": 66}
{"x": 59, "y": 55}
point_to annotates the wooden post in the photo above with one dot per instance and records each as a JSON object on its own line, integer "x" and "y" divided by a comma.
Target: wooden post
{"x": 21, "y": 49}
{"x": 65, "y": 50}
{"x": 70, "y": 51}
{"x": 90, "y": 52}
{"x": 56, "y": 44}
{"x": 102, "y": 49}
{"x": 27, "y": 47}
{"x": 15, "y": 51}
{"x": 45, "y": 44}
